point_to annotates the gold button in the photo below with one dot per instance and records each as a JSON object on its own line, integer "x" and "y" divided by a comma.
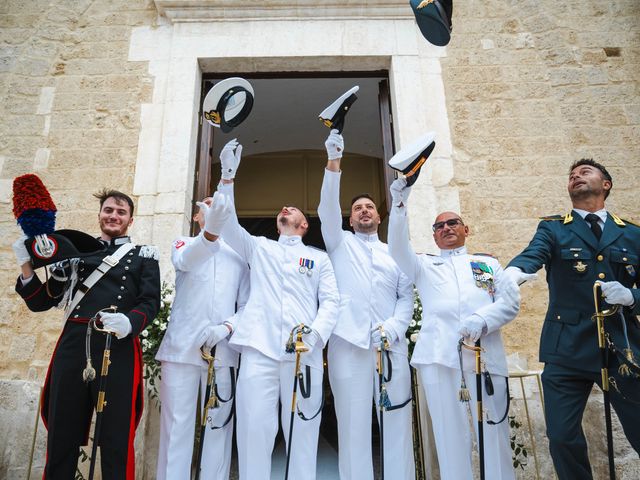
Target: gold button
{"x": 575, "y": 255}
{"x": 601, "y": 275}
{"x": 624, "y": 259}
{"x": 558, "y": 317}
{"x": 600, "y": 258}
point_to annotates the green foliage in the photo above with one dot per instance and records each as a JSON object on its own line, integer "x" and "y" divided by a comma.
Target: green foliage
{"x": 519, "y": 454}
{"x": 415, "y": 324}
{"x": 151, "y": 339}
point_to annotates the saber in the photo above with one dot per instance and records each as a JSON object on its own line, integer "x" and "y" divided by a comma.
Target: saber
{"x": 298, "y": 347}
{"x": 383, "y": 398}
{"x": 477, "y": 349}
{"x": 210, "y": 401}
{"x": 604, "y": 370}
{"x": 102, "y": 385}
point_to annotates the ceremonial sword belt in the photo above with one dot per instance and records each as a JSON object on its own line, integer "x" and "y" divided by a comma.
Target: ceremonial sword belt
{"x": 384, "y": 397}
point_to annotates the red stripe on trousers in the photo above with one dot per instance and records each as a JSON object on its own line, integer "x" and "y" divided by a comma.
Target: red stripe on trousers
{"x": 136, "y": 392}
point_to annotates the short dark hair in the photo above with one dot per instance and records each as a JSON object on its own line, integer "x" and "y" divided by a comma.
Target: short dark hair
{"x": 105, "y": 193}
{"x": 599, "y": 166}
{"x": 362, "y": 195}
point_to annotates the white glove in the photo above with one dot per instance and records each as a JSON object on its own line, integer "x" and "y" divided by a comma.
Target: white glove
{"x": 509, "y": 289}
{"x": 20, "y": 251}
{"x": 518, "y": 276}
{"x": 118, "y": 323}
{"x": 216, "y": 215}
{"x": 229, "y": 160}
{"x": 399, "y": 192}
{"x": 213, "y": 334}
{"x": 334, "y": 145}
{"x": 472, "y": 327}
{"x": 376, "y": 335}
{"x": 310, "y": 339}
{"x": 615, "y": 293}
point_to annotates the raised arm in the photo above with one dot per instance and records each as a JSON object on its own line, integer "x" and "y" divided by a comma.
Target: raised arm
{"x": 187, "y": 256}
{"x": 233, "y": 233}
{"x": 399, "y": 246}
{"x": 329, "y": 209}
{"x": 237, "y": 237}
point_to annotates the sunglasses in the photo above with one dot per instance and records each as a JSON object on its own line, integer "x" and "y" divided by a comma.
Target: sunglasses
{"x": 449, "y": 223}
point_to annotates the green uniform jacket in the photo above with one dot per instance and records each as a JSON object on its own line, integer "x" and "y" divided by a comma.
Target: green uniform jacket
{"x": 574, "y": 260}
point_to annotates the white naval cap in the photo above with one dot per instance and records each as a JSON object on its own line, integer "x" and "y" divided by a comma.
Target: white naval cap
{"x": 228, "y": 103}
{"x": 410, "y": 159}
{"x": 333, "y": 115}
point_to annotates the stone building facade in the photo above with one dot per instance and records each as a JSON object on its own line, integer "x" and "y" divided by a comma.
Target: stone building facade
{"x": 106, "y": 93}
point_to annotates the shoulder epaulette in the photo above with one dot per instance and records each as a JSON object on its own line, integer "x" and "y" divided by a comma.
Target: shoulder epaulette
{"x": 621, "y": 222}
{"x": 149, "y": 251}
{"x": 548, "y": 218}
{"x": 486, "y": 255}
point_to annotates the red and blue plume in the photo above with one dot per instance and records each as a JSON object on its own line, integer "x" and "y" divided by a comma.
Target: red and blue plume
{"x": 32, "y": 206}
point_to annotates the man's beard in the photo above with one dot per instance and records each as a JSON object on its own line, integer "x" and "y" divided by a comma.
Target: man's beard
{"x": 286, "y": 222}
{"x": 581, "y": 194}
{"x": 360, "y": 227}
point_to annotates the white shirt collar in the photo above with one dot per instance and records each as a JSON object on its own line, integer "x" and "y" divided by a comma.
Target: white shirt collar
{"x": 602, "y": 214}
{"x": 290, "y": 239}
{"x": 453, "y": 252}
{"x": 116, "y": 241}
{"x": 365, "y": 237}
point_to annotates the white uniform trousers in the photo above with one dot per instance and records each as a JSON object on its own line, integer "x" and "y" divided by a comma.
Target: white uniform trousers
{"x": 354, "y": 384}
{"x": 262, "y": 382}
{"x": 178, "y": 397}
{"x": 451, "y": 427}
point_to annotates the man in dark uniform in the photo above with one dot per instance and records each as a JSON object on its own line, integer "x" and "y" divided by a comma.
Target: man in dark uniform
{"x": 582, "y": 247}
{"x": 131, "y": 284}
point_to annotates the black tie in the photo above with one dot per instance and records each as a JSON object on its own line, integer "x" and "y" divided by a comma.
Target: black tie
{"x": 593, "y": 219}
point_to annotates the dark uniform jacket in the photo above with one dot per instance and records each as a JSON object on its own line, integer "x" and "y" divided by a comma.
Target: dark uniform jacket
{"x": 574, "y": 260}
{"x": 133, "y": 286}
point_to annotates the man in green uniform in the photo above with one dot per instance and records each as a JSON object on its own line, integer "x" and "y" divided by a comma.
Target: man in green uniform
{"x": 588, "y": 244}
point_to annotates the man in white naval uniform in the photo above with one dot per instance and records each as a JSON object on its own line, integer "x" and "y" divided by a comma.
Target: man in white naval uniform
{"x": 211, "y": 279}
{"x": 458, "y": 303}
{"x": 373, "y": 292}
{"x": 290, "y": 284}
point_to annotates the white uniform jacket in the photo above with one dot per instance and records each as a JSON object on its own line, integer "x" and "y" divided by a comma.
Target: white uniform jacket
{"x": 291, "y": 283}
{"x": 372, "y": 287}
{"x": 211, "y": 279}
{"x": 449, "y": 294}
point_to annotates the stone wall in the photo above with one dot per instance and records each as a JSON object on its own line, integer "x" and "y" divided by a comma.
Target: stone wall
{"x": 530, "y": 86}
{"x": 70, "y": 113}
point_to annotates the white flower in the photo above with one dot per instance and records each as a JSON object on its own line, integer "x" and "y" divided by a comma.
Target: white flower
{"x": 412, "y": 323}
{"x": 145, "y": 333}
{"x": 145, "y": 344}
{"x": 163, "y": 327}
{"x": 414, "y": 337}
{"x": 419, "y": 322}
{"x": 156, "y": 322}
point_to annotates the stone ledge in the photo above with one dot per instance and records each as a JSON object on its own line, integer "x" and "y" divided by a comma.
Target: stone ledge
{"x": 234, "y": 10}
